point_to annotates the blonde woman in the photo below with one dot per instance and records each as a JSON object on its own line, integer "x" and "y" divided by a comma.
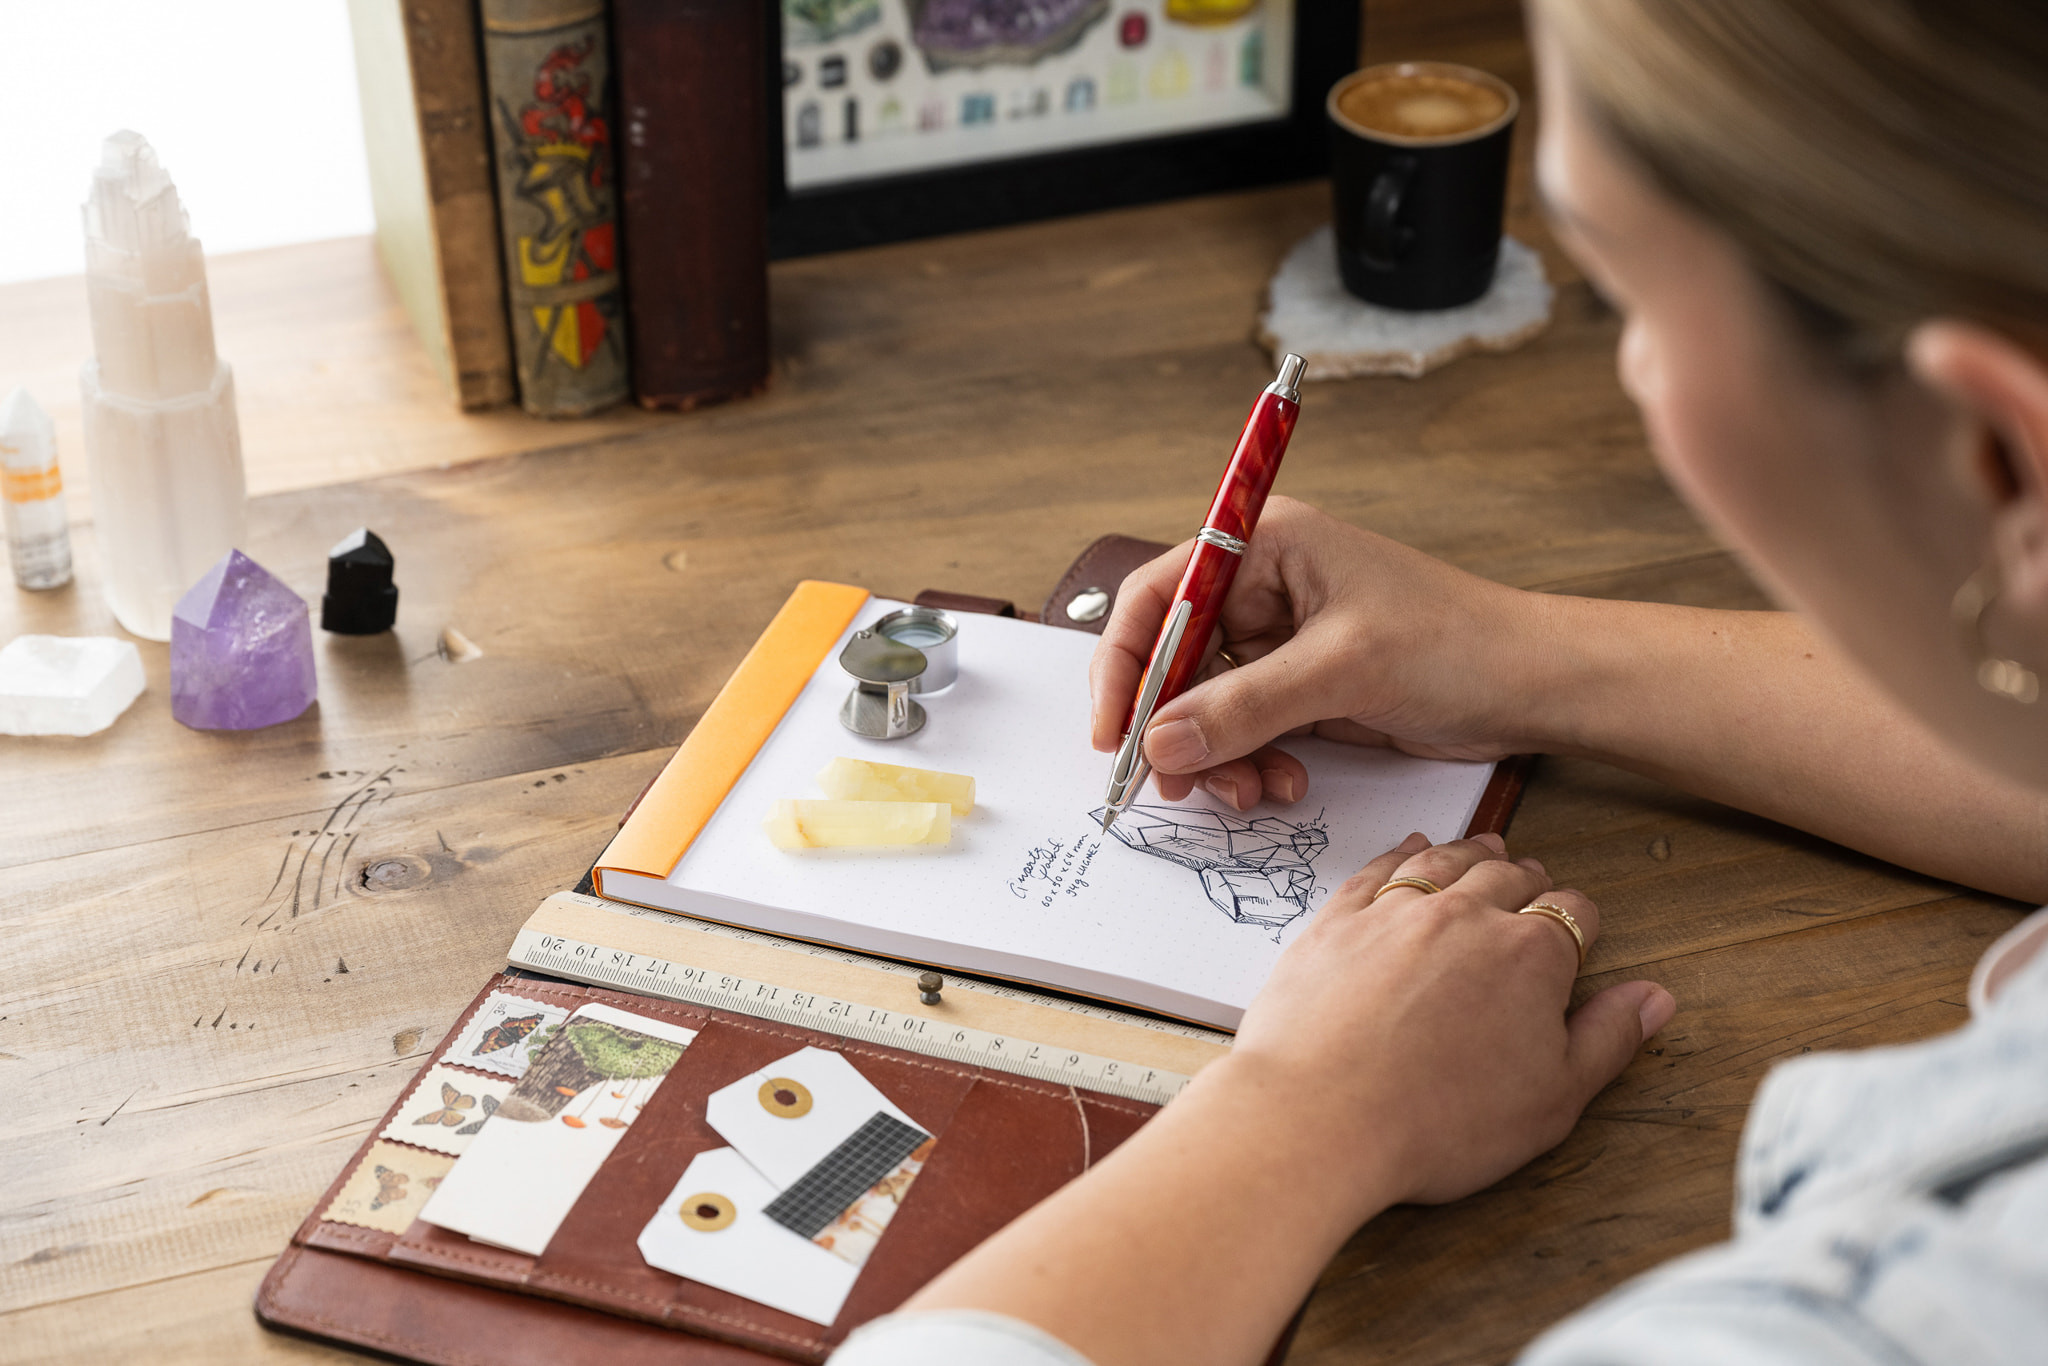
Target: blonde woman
{"x": 1826, "y": 223}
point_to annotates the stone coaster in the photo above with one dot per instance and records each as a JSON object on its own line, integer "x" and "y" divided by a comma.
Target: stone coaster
{"x": 1311, "y": 314}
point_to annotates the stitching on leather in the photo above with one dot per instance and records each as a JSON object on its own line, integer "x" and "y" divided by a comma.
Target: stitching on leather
{"x": 428, "y": 1252}
{"x": 352, "y": 1332}
{"x": 1087, "y": 1135}
{"x": 353, "y": 1233}
{"x": 670, "y": 1304}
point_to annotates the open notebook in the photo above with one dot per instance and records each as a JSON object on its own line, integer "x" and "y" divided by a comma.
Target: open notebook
{"x": 1181, "y": 909}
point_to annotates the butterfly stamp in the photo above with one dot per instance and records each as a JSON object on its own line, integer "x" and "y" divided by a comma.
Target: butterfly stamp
{"x": 388, "y": 1187}
{"x": 446, "y": 1109}
{"x": 502, "y": 1035}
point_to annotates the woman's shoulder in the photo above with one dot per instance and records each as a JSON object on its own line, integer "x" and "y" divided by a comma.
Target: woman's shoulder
{"x": 1892, "y": 1205}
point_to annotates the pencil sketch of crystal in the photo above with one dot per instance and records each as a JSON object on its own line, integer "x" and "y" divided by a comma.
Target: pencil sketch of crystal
{"x": 1258, "y": 871}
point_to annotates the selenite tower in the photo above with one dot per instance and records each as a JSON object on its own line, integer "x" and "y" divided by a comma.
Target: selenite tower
{"x": 161, "y": 440}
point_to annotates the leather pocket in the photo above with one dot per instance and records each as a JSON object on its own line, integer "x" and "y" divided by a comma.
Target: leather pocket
{"x": 1004, "y": 1143}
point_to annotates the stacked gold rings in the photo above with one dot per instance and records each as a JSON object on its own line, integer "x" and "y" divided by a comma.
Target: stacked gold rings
{"x": 1545, "y": 908}
{"x": 1562, "y": 917}
{"x": 1420, "y": 884}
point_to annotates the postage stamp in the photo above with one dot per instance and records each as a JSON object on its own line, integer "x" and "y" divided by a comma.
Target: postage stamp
{"x": 501, "y": 1037}
{"x": 388, "y": 1187}
{"x": 446, "y": 1109}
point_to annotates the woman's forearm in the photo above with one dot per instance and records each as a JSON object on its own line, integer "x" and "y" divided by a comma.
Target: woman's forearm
{"x": 1192, "y": 1243}
{"x": 1751, "y": 709}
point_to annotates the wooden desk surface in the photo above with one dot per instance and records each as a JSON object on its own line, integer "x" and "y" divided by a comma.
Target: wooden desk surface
{"x": 226, "y": 953}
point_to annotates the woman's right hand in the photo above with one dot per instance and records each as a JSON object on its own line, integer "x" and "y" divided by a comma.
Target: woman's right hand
{"x": 1337, "y": 632}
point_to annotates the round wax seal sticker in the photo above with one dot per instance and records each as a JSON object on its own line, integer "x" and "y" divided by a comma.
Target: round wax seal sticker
{"x": 708, "y": 1212}
{"x": 785, "y": 1098}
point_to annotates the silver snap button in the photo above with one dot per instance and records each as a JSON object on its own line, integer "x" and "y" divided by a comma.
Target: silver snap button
{"x": 1088, "y": 605}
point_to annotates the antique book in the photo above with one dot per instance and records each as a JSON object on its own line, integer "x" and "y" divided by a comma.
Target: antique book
{"x": 1180, "y": 908}
{"x": 547, "y": 73}
{"x": 426, "y": 133}
{"x": 694, "y": 195}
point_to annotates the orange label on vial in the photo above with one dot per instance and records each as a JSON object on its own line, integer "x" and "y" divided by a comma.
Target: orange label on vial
{"x": 30, "y": 486}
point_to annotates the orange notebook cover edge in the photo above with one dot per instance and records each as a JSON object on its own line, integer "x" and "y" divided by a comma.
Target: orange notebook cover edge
{"x": 731, "y": 732}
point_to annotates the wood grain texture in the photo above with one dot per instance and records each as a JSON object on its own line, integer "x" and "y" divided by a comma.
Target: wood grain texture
{"x": 227, "y": 953}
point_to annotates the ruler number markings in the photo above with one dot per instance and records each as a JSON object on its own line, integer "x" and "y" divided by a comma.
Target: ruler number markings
{"x": 683, "y": 982}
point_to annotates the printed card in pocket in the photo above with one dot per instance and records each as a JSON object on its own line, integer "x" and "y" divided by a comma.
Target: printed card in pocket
{"x": 503, "y": 1035}
{"x": 446, "y": 1109}
{"x": 583, "y": 1088}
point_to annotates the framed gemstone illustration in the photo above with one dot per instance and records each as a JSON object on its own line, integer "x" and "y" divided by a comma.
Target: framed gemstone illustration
{"x": 905, "y": 118}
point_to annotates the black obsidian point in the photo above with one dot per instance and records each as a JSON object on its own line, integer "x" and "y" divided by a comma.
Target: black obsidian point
{"x": 361, "y": 599}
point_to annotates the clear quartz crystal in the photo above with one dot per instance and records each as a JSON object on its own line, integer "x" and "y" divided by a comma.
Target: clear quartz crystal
{"x": 160, "y": 430}
{"x": 805, "y": 824}
{"x": 64, "y": 685}
{"x": 32, "y": 495}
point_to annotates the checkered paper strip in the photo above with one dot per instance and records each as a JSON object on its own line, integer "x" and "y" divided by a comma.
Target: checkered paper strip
{"x": 822, "y": 1194}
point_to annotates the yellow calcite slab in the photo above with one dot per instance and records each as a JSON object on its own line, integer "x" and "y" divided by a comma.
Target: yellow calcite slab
{"x": 804, "y": 824}
{"x": 859, "y": 780}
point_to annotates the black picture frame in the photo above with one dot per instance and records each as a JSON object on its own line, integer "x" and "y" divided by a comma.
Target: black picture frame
{"x": 1056, "y": 184}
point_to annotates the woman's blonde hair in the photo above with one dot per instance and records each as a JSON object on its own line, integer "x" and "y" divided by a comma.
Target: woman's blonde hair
{"x": 1880, "y": 161}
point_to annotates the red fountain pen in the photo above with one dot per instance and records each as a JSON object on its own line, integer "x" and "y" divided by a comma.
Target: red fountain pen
{"x": 1198, "y": 602}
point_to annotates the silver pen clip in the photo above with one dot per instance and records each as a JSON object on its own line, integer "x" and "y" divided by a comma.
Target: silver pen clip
{"x": 1127, "y": 777}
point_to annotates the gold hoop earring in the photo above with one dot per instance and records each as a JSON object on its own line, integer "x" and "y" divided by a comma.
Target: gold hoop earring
{"x": 2008, "y": 678}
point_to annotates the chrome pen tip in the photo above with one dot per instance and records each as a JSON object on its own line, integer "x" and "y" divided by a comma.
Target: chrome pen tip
{"x": 1108, "y": 815}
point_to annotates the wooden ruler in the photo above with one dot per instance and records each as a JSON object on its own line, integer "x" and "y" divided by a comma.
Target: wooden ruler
{"x": 979, "y": 1022}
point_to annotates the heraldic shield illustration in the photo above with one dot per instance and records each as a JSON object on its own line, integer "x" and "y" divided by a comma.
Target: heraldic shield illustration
{"x": 1257, "y": 871}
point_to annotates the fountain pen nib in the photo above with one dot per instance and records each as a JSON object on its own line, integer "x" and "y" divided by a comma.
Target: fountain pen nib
{"x": 1108, "y": 816}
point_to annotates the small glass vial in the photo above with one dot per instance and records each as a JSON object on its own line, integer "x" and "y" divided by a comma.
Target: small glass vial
{"x": 32, "y": 495}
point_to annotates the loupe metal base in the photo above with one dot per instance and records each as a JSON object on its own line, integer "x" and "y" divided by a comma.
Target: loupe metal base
{"x": 866, "y": 712}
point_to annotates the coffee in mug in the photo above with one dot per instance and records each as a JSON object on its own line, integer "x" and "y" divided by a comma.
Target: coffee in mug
{"x": 1419, "y": 172}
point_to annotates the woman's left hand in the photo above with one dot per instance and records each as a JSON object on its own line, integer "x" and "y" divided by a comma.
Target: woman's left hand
{"x": 1436, "y": 1021}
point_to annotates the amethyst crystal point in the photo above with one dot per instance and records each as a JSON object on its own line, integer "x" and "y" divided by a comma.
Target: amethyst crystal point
{"x": 241, "y": 649}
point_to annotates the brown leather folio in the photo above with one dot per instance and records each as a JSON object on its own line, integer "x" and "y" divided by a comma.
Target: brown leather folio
{"x": 1004, "y": 1142}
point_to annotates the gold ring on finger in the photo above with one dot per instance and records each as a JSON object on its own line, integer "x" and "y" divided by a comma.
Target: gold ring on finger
{"x": 1420, "y": 884}
{"x": 1228, "y": 658}
{"x": 1562, "y": 917}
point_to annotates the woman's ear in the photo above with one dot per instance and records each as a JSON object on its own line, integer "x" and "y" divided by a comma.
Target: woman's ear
{"x": 1999, "y": 391}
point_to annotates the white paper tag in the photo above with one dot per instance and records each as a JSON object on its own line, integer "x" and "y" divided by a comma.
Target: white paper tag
{"x": 711, "y": 1229}
{"x": 788, "y": 1116}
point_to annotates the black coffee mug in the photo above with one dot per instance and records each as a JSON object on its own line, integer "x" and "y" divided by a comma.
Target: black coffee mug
{"x": 1418, "y": 216}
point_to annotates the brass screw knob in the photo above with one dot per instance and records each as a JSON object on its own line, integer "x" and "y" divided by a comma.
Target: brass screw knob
{"x": 928, "y": 985}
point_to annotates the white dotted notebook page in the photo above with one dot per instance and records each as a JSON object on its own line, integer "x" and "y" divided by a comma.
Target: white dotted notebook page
{"x": 1182, "y": 908}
